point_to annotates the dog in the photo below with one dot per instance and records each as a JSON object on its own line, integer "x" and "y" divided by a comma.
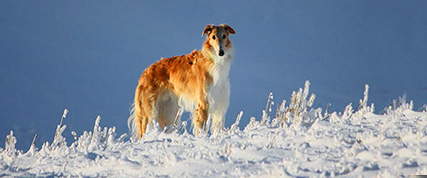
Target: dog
{"x": 197, "y": 82}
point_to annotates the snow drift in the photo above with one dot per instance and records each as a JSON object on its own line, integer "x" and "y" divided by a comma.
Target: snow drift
{"x": 296, "y": 140}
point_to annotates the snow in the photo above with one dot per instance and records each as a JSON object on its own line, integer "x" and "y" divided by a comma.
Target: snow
{"x": 297, "y": 141}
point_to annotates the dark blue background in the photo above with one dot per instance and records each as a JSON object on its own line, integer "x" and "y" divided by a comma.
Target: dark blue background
{"x": 87, "y": 56}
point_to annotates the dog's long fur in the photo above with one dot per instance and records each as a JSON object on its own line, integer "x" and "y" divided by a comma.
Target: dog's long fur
{"x": 197, "y": 82}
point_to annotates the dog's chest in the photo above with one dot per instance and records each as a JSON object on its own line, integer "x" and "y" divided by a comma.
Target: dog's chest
{"x": 219, "y": 89}
{"x": 219, "y": 73}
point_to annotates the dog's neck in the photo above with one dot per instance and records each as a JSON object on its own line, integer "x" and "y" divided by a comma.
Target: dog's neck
{"x": 221, "y": 68}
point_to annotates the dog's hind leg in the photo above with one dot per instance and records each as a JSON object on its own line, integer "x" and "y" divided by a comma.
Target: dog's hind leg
{"x": 167, "y": 107}
{"x": 145, "y": 110}
{"x": 139, "y": 124}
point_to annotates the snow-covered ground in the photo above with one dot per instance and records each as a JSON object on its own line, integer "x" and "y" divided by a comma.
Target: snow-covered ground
{"x": 295, "y": 140}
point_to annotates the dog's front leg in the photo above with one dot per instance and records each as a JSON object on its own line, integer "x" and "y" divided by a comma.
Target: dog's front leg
{"x": 201, "y": 116}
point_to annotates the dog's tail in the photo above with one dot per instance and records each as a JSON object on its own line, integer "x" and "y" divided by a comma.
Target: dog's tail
{"x": 132, "y": 122}
{"x": 135, "y": 118}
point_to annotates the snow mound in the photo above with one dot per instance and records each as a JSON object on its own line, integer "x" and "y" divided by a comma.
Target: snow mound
{"x": 297, "y": 141}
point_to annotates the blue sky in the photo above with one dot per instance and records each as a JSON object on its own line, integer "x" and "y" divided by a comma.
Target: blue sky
{"x": 87, "y": 56}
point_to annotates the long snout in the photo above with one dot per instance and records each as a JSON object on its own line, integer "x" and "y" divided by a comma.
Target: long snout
{"x": 221, "y": 51}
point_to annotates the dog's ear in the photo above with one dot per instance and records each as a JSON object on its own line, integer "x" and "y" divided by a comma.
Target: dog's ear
{"x": 228, "y": 28}
{"x": 208, "y": 29}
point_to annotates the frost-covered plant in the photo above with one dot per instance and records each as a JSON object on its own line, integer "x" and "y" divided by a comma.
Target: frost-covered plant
{"x": 10, "y": 142}
{"x": 236, "y": 123}
{"x": 9, "y": 153}
{"x": 363, "y": 107}
{"x": 59, "y": 140}
{"x": 348, "y": 112}
{"x": 176, "y": 123}
{"x": 399, "y": 105}
{"x": 253, "y": 124}
{"x": 352, "y": 113}
{"x": 33, "y": 148}
{"x": 297, "y": 107}
{"x": 297, "y": 113}
{"x": 363, "y": 103}
{"x": 266, "y": 114}
{"x": 98, "y": 139}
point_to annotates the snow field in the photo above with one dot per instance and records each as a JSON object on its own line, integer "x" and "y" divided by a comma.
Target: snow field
{"x": 297, "y": 141}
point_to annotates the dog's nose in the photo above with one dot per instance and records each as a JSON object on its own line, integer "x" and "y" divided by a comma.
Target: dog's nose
{"x": 221, "y": 52}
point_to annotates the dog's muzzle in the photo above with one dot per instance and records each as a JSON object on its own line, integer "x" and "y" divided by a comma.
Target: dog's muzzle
{"x": 221, "y": 52}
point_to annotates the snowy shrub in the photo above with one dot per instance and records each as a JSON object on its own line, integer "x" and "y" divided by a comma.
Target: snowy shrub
{"x": 296, "y": 113}
{"x": 9, "y": 154}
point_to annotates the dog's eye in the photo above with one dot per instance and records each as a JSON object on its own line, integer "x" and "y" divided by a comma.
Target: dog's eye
{"x": 213, "y": 37}
{"x": 223, "y": 36}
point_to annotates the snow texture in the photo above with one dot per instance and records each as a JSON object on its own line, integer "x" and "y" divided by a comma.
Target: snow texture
{"x": 297, "y": 141}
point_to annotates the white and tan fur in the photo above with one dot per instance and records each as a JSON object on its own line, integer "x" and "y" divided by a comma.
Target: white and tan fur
{"x": 198, "y": 82}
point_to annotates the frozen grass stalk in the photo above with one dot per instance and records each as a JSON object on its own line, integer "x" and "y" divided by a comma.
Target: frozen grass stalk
{"x": 64, "y": 115}
{"x": 177, "y": 117}
{"x": 236, "y": 123}
{"x": 267, "y": 112}
{"x": 34, "y": 140}
{"x": 326, "y": 115}
{"x": 32, "y": 149}
{"x": 96, "y": 128}
{"x": 268, "y": 105}
{"x": 281, "y": 109}
{"x": 304, "y": 96}
{"x": 10, "y": 142}
{"x": 272, "y": 143}
{"x": 363, "y": 103}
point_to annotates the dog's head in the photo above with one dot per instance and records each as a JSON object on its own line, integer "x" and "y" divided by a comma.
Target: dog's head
{"x": 217, "y": 37}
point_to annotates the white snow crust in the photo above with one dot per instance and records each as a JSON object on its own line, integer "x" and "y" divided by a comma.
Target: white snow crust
{"x": 309, "y": 143}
